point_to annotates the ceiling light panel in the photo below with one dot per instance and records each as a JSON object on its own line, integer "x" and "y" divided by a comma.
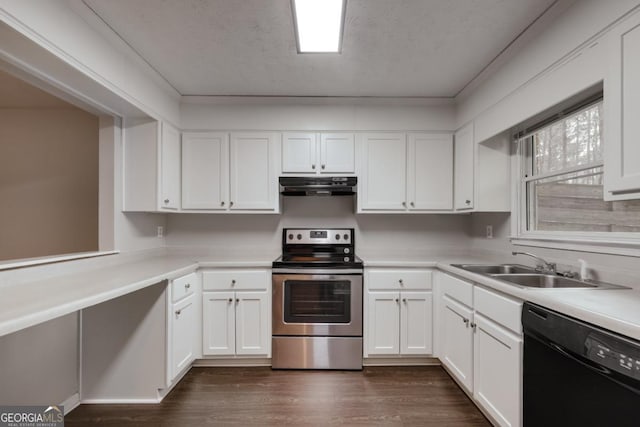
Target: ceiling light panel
{"x": 319, "y": 25}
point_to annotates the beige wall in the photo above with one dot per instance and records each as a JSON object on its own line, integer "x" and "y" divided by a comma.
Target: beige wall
{"x": 48, "y": 182}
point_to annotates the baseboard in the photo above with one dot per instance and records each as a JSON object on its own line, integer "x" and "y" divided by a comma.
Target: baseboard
{"x": 114, "y": 401}
{"x": 71, "y": 403}
{"x": 401, "y": 361}
{"x": 163, "y": 392}
{"x": 228, "y": 363}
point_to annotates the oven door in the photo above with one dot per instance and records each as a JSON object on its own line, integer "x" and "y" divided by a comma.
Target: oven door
{"x": 317, "y": 305}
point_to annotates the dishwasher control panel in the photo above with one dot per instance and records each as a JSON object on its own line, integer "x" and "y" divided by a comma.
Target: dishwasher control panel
{"x": 616, "y": 356}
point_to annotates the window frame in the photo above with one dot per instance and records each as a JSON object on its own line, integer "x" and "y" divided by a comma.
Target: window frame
{"x": 618, "y": 243}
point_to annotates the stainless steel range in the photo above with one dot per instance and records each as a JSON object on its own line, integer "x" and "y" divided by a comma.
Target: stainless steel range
{"x": 317, "y": 301}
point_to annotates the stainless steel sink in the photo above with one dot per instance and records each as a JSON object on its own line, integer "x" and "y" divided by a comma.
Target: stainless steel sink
{"x": 528, "y": 277}
{"x": 538, "y": 280}
{"x": 496, "y": 268}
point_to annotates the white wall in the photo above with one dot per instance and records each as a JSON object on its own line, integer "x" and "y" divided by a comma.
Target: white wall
{"x": 57, "y": 26}
{"x": 200, "y": 113}
{"x": 39, "y": 365}
{"x": 543, "y": 72}
{"x": 260, "y": 236}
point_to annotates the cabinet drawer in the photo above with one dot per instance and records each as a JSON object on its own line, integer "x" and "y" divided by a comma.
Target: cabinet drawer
{"x": 399, "y": 279}
{"x": 224, "y": 280}
{"x": 500, "y": 308}
{"x": 457, "y": 289}
{"x": 183, "y": 286}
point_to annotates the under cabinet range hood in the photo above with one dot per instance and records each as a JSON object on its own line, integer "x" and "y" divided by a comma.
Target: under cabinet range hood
{"x": 318, "y": 185}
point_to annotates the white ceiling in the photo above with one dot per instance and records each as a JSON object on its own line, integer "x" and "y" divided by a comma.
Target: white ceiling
{"x": 417, "y": 48}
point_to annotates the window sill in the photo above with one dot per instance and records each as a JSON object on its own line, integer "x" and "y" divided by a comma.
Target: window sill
{"x": 30, "y": 262}
{"x": 630, "y": 247}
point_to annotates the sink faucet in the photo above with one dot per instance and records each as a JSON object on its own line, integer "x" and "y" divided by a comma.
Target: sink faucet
{"x": 547, "y": 267}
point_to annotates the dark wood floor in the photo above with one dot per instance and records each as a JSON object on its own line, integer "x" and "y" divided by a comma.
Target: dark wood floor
{"x": 415, "y": 396}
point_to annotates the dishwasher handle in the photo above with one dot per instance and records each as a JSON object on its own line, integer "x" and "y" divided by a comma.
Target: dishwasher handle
{"x": 583, "y": 361}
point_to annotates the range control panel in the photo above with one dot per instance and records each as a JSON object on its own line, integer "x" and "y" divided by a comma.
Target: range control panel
{"x": 336, "y": 236}
{"x": 616, "y": 356}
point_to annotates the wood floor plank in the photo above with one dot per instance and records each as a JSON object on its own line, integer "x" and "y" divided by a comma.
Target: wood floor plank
{"x": 377, "y": 396}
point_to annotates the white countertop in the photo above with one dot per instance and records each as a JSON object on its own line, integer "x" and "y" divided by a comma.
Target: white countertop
{"x": 27, "y": 304}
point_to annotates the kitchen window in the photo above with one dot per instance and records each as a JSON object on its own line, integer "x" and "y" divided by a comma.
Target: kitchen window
{"x": 560, "y": 192}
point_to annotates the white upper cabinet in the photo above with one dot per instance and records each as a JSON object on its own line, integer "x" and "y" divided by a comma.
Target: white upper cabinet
{"x": 464, "y": 168}
{"x": 170, "y": 168}
{"x": 405, "y": 174}
{"x": 205, "y": 170}
{"x": 299, "y": 152}
{"x": 383, "y": 172}
{"x": 253, "y": 172}
{"x": 622, "y": 110}
{"x": 151, "y": 166}
{"x": 337, "y": 153}
{"x": 313, "y": 153}
{"x": 222, "y": 173}
{"x": 430, "y": 171}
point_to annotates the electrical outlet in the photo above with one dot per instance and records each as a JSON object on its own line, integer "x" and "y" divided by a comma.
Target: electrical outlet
{"x": 489, "y": 231}
{"x": 160, "y": 231}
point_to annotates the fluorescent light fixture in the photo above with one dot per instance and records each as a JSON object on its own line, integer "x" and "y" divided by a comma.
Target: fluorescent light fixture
{"x": 319, "y": 25}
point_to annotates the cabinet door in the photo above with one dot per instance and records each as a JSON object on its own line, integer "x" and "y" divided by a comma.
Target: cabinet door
{"x": 416, "y": 323}
{"x": 183, "y": 327}
{"x": 205, "y": 171}
{"x": 497, "y": 371}
{"x": 622, "y": 110}
{"x": 253, "y": 327}
{"x": 169, "y": 168}
{"x": 430, "y": 172}
{"x": 253, "y": 178}
{"x": 463, "y": 168}
{"x": 383, "y": 174}
{"x": 218, "y": 323}
{"x": 337, "y": 153}
{"x": 299, "y": 152}
{"x": 457, "y": 341}
{"x": 383, "y": 327}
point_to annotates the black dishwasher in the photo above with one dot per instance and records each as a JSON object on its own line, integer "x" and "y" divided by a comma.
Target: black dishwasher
{"x": 577, "y": 374}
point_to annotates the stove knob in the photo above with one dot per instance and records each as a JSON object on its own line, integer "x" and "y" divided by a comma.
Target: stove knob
{"x": 290, "y": 236}
{"x": 299, "y": 236}
{"x": 337, "y": 237}
{"x": 346, "y": 259}
{"x": 346, "y": 237}
{"x": 346, "y": 250}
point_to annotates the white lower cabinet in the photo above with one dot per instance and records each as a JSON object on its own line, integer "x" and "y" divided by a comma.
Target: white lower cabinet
{"x": 457, "y": 341}
{"x": 182, "y": 324}
{"x": 236, "y": 313}
{"x": 398, "y": 322}
{"x": 481, "y": 346}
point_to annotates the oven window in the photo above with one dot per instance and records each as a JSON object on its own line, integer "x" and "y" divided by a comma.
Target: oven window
{"x": 317, "y": 301}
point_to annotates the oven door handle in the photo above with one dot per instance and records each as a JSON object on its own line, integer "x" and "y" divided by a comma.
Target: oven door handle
{"x": 322, "y": 271}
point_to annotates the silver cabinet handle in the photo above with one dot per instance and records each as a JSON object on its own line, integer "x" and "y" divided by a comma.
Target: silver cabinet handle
{"x": 187, "y": 286}
{"x": 230, "y": 204}
{"x": 230, "y": 299}
{"x": 404, "y": 300}
{"x": 166, "y": 201}
{"x": 401, "y": 282}
{"x": 473, "y": 325}
{"x": 178, "y": 312}
{"x": 412, "y": 204}
{"x": 323, "y": 166}
{"x": 237, "y": 300}
{"x": 233, "y": 282}
{"x": 465, "y": 321}
{"x": 468, "y": 202}
{"x": 313, "y": 166}
{"x": 222, "y": 203}
{"x": 397, "y": 300}
{"x": 404, "y": 204}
